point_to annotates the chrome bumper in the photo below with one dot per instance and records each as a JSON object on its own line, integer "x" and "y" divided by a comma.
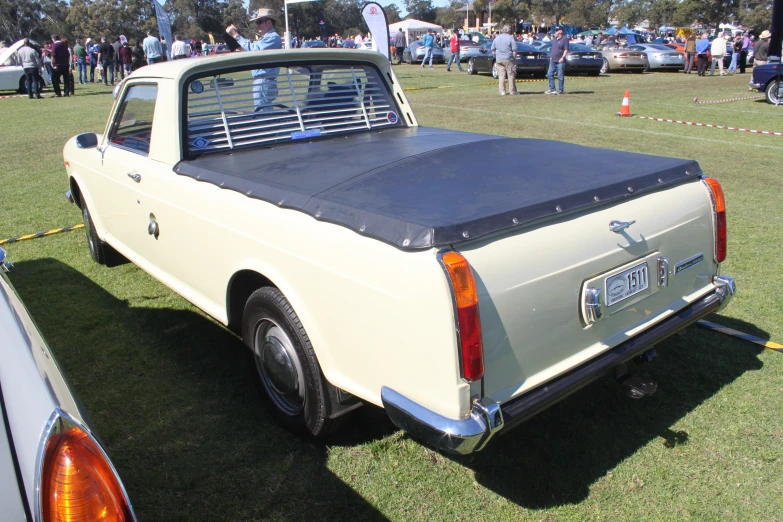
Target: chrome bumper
{"x": 755, "y": 85}
{"x": 487, "y": 417}
{"x": 449, "y": 435}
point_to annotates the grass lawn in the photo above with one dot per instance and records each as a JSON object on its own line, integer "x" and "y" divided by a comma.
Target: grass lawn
{"x": 169, "y": 390}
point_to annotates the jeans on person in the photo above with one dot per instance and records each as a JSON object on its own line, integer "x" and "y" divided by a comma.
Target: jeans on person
{"x": 733, "y": 65}
{"x": 108, "y": 66}
{"x": 507, "y": 68}
{"x": 82, "y": 64}
{"x": 399, "y": 50}
{"x": 718, "y": 59}
{"x": 64, "y": 73}
{"x": 156, "y": 59}
{"x": 689, "y": 57}
{"x": 31, "y": 81}
{"x": 702, "y": 64}
{"x": 128, "y": 68}
{"x": 93, "y": 64}
{"x": 120, "y": 72}
{"x": 454, "y": 58}
{"x": 742, "y": 59}
{"x": 264, "y": 93}
{"x": 550, "y": 73}
{"x": 428, "y": 51}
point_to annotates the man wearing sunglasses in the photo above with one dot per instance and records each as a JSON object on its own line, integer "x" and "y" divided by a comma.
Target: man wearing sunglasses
{"x": 265, "y": 83}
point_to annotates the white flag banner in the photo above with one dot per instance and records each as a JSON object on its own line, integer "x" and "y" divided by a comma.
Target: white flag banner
{"x": 375, "y": 17}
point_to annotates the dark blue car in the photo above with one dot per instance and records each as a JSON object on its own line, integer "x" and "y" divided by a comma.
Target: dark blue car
{"x": 768, "y": 79}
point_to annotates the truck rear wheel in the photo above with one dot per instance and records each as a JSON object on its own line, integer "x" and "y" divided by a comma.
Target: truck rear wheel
{"x": 774, "y": 92}
{"x": 284, "y": 365}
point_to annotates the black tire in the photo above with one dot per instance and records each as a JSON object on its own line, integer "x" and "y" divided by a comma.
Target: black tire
{"x": 495, "y": 70}
{"x": 594, "y": 73}
{"x": 605, "y": 67}
{"x": 472, "y": 67}
{"x": 774, "y": 92}
{"x": 93, "y": 241}
{"x": 22, "y": 87}
{"x": 269, "y": 320}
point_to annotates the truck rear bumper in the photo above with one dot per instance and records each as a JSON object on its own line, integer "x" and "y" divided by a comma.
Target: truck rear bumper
{"x": 487, "y": 417}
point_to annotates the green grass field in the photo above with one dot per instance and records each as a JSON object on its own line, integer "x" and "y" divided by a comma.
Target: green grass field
{"x": 169, "y": 390}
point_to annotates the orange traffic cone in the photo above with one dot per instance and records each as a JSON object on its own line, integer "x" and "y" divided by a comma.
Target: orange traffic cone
{"x": 625, "y": 108}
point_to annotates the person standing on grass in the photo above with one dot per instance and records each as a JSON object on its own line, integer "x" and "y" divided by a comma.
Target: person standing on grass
{"x": 60, "y": 67}
{"x": 92, "y": 48}
{"x": 117, "y": 64}
{"x": 106, "y": 58}
{"x": 454, "y": 44}
{"x": 557, "y": 58}
{"x": 761, "y": 52}
{"x": 702, "y": 46}
{"x": 744, "y": 52}
{"x": 690, "y": 53}
{"x": 81, "y": 61}
{"x": 429, "y": 47}
{"x": 152, "y": 49}
{"x": 734, "y": 56}
{"x": 400, "y": 43}
{"x": 126, "y": 58}
{"x": 504, "y": 47}
{"x": 179, "y": 49}
{"x": 718, "y": 51}
{"x": 31, "y": 64}
{"x": 138, "y": 56}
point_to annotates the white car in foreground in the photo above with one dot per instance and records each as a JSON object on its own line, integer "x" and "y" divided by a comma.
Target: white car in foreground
{"x": 12, "y": 76}
{"x": 293, "y": 196}
{"x": 52, "y": 467}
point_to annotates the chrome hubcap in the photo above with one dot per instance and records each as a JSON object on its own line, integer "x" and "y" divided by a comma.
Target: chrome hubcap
{"x": 279, "y": 367}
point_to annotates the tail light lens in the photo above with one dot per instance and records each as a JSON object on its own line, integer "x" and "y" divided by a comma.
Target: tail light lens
{"x": 468, "y": 320}
{"x": 77, "y": 482}
{"x": 719, "y": 207}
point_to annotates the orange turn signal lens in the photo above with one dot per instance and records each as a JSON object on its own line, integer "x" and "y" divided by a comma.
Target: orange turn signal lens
{"x": 721, "y": 230}
{"x": 77, "y": 482}
{"x": 468, "y": 318}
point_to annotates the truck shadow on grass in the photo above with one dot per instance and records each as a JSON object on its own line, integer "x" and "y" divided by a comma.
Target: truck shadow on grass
{"x": 555, "y": 457}
{"x": 170, "y": 394}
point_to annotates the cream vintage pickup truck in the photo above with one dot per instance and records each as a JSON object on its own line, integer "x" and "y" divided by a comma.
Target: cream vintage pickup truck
{"x": 293, "y": 196}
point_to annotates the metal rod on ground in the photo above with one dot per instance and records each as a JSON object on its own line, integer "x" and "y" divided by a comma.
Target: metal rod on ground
{"x": 739, "y": 335}
{"x": 40, "y": 234}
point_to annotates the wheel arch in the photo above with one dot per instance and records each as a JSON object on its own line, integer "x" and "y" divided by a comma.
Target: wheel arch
{"x": 240, "y": 286}
{"x": 81, "y": 196}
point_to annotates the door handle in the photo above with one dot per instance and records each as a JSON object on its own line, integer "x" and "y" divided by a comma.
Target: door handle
{"x": 135, "y": 176}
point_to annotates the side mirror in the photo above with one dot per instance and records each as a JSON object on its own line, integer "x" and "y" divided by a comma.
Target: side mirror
{"x": 88, "y": 140}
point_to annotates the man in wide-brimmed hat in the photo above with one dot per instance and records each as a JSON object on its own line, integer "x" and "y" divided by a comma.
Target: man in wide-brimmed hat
{"x": 265, "y": 84}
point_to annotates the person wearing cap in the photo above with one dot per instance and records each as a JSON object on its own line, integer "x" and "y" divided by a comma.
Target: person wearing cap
{"x": 557, "y": 58}
{"x": 504, "y": 47}
{"x": 265, "y": 83}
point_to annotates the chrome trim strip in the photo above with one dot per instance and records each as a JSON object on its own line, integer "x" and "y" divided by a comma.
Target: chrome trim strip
{"x": 56, "y": 420}
{"x": 593, "y": 312}
{"x": 714, "y": 220}
{"x": 449, "y": 435}
{"x": 69, "y": 196}
{"x": 663, "y": 272}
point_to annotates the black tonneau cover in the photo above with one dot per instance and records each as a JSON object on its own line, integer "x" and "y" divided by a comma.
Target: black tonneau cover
{"x": 419, "y": 188}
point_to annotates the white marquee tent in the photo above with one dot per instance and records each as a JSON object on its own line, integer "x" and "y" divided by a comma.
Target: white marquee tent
{"x": 416, "y": 28}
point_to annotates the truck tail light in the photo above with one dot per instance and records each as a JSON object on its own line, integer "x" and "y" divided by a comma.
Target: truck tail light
{"x": 77, "y": 481}
{"x": 468, "y": 319}
{"x": 719, "y": 207}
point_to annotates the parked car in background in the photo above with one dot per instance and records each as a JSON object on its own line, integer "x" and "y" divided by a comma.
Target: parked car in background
{"x": 215, "y": 49}
{"x": 364, "y": 258}
{"x": 660, "y": 57}
{"x": 349, "y": 44}
{"x": 52, "y": 466}
{"x": 618, "y": 58}
{"x": 580, "y": 59}
{"x": 12, "y": 77}
{"x": 314, "y": 44}
{"x": 767, "y": 79}
{"x": 414, "y": 53}
{"x": 467, "y": 49}
{"x": 529, "y": 61}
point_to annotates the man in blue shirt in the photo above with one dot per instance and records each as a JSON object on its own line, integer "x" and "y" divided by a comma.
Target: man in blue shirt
{"x": 265, "y": 83}
{"x": 152, "y": 49}
{"x": 557, "y": 58}
{"x": 702, "y": 46}
{"x": 429, "y": 47}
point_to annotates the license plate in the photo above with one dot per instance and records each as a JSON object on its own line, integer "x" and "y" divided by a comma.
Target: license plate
{"x": 625, "y": 284}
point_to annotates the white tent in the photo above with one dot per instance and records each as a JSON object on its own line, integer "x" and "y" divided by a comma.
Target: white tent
{"x": 414, "y": 28}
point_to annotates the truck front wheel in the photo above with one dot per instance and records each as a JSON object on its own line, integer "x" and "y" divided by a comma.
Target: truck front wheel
{"x": 284, "y": 364}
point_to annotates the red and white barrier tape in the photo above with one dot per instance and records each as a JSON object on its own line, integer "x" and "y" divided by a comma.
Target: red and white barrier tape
{"x": 14, "y": 96}
{"x": 696, "y": 100}
{"x": 711, "y": 126}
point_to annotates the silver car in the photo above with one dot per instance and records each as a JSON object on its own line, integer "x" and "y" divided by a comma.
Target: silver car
{"x": 660, "y": 57}
{"x": 414, "y": 53}
{"x": 619, "y": 58}
{"x": 51, "y": 465}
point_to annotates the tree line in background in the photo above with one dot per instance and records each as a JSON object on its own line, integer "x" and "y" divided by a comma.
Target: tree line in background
{"x": 196, "y": 18}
